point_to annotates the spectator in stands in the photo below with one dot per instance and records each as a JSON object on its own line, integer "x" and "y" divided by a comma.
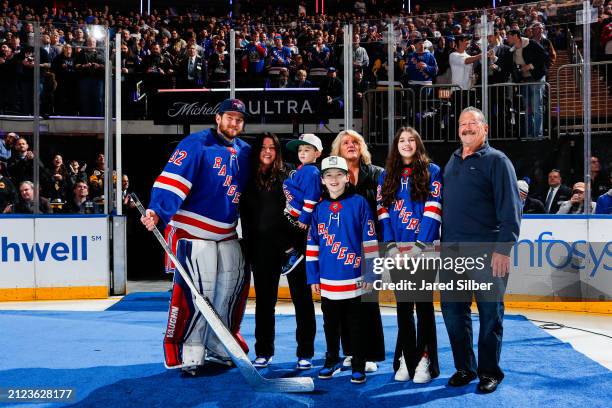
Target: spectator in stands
{"x": 360, "y": 85}
{"x": 159, "y": 67}
{"x": 537, "y": 35}
{"x": 420, "y": 69}
{"x": 51, "y": 51}
{"x": 64, "y": 68}
{"x": 219, "y": 67}
{"x": 301, "y": 81}
{"x": 332, "y": 91}
{"x": 530, "y": 65}
{"x": 462, "y": 75}
{"x": 25, "y": 202}
{"x": 283, "y": 79}
{"x": 21, "y": 164}
{"x": 25, "y": 76}
{"x": 79, "y": 202}
{"x": 280, "y": 56}
{"x": 530, "y": 205}
{"x": 79, "y": 38}
{"x": 599, "y": 184}
{"x": 8, "y": 84}
{"x": 256, "y": 55}
{"x": 461, "y": 64}
{"x": 90, "y": 69}
{"x": 193, "y": 70}
{"x": 556, "y": 192}
{"x": 500, "y": 67}
{"x": 129, "y": 61}
{"x": 604, "y": 202}
{"x": 319, "y": 56}
{"x": 128, "y": 203}
{"x": 444, "y": 47}
{"x": 75, "y": 173}
{"x": 54, "y": 42}
{"x": 55, "y": 183}
{"x": 360, "y": 55}
{"x": 575, "y": 205}
{"x": 500, "y": 64}
{"x": 6, "y": 146}
{"x": 96, "y": 178}
{"x": 8, "y": 193}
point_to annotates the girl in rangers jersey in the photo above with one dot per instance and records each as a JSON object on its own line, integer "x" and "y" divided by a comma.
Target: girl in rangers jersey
{"x": 409, "y": 213}
{"x": 341, "y": 244}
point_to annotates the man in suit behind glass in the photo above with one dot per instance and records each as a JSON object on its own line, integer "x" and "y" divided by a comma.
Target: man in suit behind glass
{"x": 193, "y": 70}
{"x": 556, "y": 192}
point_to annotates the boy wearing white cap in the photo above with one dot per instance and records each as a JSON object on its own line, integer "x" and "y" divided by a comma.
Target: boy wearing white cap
{"x": 341, "y": 245}
{"x": 302, "y": 191}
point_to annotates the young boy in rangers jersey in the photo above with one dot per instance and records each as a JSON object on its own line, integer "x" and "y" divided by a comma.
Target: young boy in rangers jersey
{"x": 341, "y": 243}
{"x": 302, "y": 191}
{"x": 196, "y": 197}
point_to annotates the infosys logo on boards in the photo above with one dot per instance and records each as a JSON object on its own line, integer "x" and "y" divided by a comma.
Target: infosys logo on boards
{"x": 73, "y": 250}
{"x": 559, "y": 254}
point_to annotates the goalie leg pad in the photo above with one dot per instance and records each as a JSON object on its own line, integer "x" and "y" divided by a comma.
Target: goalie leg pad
{"x": 230, "y": 295}
{"x": 183, "y": 342}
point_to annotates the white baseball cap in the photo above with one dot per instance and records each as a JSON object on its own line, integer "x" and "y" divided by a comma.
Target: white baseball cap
{"x": 334, "y": 162}
{"x": 523, "y": 186}
{"x": 305, "y": 139}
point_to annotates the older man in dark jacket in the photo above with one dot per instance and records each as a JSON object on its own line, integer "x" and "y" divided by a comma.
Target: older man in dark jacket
{"x": 481, "y": 218}
{"x": 530, "y": 66}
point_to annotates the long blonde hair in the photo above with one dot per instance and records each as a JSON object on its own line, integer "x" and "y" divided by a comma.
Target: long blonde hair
{"x": 366, "y": 157}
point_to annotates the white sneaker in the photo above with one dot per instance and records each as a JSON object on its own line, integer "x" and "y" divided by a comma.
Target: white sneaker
{"x": 347, "y": 361}
{"x": 371, "y": 367}
{"x": 262, "y": 362}
{"x": 402, "y": 373}
{"x": 421, "y": 374}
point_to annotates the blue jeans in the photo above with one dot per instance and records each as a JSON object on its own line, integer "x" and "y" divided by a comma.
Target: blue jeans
{"x": 534, "y": 107}
{"x": 457, "y": 317}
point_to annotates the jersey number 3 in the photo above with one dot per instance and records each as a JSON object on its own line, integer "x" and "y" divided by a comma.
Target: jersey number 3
{"x": 178, "y": 157}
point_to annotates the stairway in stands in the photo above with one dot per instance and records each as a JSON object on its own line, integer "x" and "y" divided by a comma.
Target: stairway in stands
{"x": 569, "y": 99}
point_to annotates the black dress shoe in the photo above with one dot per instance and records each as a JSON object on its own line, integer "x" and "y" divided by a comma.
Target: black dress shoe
{"x": 461, "y": 378}
{"x": 487, "y": 385}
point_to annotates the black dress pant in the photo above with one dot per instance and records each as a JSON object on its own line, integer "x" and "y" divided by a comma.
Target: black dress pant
{"x": 416, "y": 338}
{"x": 348, "y": 314}
{"x": 266, "y": 262}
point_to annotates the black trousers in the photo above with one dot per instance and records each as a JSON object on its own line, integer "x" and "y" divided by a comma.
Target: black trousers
{"x": 375, "y": 339}
{"x": 416, "y": 338}
{"x": 266, "y": 262}
{"x": 348, "y": 314}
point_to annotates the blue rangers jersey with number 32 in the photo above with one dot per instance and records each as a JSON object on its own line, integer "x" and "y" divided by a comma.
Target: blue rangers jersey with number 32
{"x": 198, "y": 192}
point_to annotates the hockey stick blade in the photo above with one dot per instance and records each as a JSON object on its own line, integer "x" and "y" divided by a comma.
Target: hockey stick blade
{"x": 238, "y": 356}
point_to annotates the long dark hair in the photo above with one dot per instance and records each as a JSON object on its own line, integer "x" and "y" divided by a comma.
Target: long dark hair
{"x": 419, "y": 189}
{"x": 267, "y": 180}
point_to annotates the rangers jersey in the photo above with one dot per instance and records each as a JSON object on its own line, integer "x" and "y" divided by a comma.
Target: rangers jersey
{"x": 341, "y": 238}
{"x": 303, "y": 192}
{"x": 198, "y": 192}
{"x": 407, "y": 220}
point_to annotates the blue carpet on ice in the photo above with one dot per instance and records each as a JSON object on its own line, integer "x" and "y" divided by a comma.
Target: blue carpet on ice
{"x": 114, "y": 359}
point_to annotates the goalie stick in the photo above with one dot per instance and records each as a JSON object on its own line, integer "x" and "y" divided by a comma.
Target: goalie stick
{"x": 250, "y": 373}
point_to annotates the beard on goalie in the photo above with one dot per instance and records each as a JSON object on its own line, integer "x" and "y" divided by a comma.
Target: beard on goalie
{"x": 230, "y": 124}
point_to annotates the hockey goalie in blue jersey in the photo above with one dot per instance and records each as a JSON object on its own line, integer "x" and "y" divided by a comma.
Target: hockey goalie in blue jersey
{"x": 409, "y": 213}
{"x": 196, "y": 197}
{"x": 341, "y": 248}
